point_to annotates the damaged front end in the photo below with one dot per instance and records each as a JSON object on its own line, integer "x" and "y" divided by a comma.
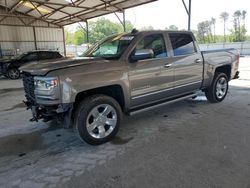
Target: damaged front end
{"x": 43, "y": 99}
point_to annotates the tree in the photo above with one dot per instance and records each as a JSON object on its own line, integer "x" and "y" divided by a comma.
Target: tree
{"x": 238, "y": 32}
{"x": 212, "y": 22}
{"x": 98, "y": 30}
{"x": 79, "y": 37}
{"x": 69, "y": 37}
{"x": 224, "y": 17}
{"x": 204, "y": 31}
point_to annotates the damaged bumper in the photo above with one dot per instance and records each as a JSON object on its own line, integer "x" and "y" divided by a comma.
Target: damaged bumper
{"x": 47, "y": 113}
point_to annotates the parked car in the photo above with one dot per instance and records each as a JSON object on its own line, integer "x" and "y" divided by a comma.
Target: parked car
{"x": 126, "y": 73}
{"x": 10, "y": 67}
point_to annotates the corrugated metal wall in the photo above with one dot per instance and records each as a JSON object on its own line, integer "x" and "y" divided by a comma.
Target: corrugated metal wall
{"x": 16, "y": 38}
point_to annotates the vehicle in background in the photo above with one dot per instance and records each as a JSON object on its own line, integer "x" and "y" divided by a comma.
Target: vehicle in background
{"x": 125, "y": 73}
{"x": 10, "y": 67}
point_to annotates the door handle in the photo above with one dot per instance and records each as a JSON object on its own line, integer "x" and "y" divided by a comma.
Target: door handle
{"x": 198, "y": 61}
{"x": 167, "y": 65}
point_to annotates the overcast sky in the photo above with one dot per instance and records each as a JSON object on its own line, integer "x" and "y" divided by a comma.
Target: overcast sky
{"x": 163, "y": 13}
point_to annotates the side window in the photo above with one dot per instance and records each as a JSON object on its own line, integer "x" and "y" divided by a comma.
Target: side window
{"x": 43, "y": 55}
{"x": 30, "y": 57}
{"x": 155, "y": 43}
{"x": 182, "y": 44}
{"x": 56, "y": 55}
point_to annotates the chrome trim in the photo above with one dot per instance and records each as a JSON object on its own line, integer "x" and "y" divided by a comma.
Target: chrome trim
{"x": 152, "y": 93}
{"x": 187, "y": 84}
{"x": 155, "y": 92}
{"x": 161, "y": 104}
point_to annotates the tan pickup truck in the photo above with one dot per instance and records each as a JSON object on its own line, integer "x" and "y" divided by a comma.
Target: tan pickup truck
{"x": 125, "y": 73}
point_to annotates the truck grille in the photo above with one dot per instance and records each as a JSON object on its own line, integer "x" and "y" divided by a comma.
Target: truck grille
{"x": 29, "y": 87}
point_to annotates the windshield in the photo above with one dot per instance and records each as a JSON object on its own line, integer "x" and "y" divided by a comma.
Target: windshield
{"x": 18, "y": 57}
{"x": 110, "y": 48}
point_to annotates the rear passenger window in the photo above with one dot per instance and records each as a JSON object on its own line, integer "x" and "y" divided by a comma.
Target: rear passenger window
{"x": 154, "y": 42}
{"x": 182, "y": 44}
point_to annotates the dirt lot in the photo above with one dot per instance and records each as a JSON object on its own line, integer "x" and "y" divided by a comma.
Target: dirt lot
{"x": 187, "y": 144}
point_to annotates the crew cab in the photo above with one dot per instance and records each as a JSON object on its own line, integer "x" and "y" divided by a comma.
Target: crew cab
{"x": 125, "y": 74}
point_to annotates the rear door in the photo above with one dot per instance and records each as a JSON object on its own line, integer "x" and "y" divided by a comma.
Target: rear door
{"x": 187, "y": 63}
{"x": 147, "y": 82}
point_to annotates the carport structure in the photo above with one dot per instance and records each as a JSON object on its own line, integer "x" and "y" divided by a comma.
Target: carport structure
{"x": 38, "y": 24}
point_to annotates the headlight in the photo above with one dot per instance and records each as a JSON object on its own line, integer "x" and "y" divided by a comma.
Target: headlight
{"x": 45, "y": 83}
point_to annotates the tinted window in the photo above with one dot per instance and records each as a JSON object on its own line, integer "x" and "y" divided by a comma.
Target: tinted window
{"x": 30, "y": 57}
{"x": 44, "y": 55}
{"x": 182, "y": 44}
{"x": 154, "y": 42}
{"x": 49, "y": 55}
{"x": 56, "y": 55}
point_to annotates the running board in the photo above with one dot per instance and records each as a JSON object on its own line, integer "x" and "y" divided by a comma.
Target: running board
{"x": 161, "y": 104}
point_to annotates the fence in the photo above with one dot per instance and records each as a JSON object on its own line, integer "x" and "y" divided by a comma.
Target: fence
{"x": 242, "y": 47}
{"x": 72, "y": 50}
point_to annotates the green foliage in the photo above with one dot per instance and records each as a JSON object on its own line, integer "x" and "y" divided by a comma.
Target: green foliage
{"x": 69, "y": 37}
{"x": 238, "y": 33}
{"x": 206, "y": 29}
{"x": 79, "y": 37}
{"x": 97, "y": 31}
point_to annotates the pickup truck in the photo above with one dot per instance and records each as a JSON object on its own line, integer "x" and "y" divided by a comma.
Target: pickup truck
{"x": 125, "y": 74}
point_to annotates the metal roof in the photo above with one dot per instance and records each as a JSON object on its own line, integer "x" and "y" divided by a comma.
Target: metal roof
{"x": 65, "y": 12}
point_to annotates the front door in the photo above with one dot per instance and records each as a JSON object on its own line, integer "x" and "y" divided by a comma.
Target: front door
{"x": 148, "y": 83}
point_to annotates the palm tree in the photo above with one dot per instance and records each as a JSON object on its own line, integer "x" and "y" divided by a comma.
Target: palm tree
{"x": 213, "y": 21}
{"x": 224, "y": 16}
{"x": 237, "y": 16}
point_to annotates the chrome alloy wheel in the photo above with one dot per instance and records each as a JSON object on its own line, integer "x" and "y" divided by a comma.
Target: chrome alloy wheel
{"x": 101, "y": 121}
{"x": 221, "y": 87}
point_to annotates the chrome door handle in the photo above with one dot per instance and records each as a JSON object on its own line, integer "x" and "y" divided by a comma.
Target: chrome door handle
{"x": 198, "y": 61}
{"x": 167, "y": 65}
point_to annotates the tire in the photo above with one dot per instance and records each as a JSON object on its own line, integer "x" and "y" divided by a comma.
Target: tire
{"x": 218, "y": 89}
{"x": 91, "y": 119}
{"x": 13, "y": 73}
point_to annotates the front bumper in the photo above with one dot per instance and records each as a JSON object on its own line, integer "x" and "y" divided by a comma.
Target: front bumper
{"x": 48, "y": 113}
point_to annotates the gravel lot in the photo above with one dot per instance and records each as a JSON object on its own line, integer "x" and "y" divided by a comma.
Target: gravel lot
{"x": 191, "y": 143}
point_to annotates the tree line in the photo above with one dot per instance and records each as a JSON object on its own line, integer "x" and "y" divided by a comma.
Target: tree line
{"x": 206, "y": 32}
{"x": 100, "y": 29}
{"x": 97, "y": 31}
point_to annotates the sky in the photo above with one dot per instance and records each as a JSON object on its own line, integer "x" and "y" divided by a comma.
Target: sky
{"x": 162, "y": 13}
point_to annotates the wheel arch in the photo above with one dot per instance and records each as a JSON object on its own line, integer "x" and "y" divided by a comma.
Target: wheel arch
{"x": 115, "y": 91}
{"x": 224, "y": 69}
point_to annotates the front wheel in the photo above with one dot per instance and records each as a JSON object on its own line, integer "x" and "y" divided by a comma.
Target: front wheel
{"x": 13, "y": 73}
{"x": 97, "y": 119}
{"x": 218, "y": 89}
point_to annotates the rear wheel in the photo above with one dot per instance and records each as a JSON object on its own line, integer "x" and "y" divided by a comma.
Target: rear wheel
{"x": 97, "y": 119}
{"x": 13, "y": 73}
{"x": 218, "y": 89}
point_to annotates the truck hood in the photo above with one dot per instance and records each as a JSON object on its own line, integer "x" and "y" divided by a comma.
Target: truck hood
{"x": 43, "y": 67}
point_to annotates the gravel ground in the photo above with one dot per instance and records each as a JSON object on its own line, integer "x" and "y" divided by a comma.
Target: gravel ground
{"x": 191, "y": 143}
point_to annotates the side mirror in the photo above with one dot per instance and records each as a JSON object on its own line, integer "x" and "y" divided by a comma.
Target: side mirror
{"x": 142, "y": 54}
